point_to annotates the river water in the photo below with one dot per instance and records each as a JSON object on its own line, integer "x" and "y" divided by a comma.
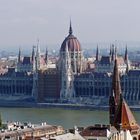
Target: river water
{"x": 63, "y": 117}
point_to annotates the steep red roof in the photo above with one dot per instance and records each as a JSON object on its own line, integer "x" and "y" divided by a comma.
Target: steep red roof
{"x": 122, "y": 116}
{"x": 73, "y": 44}
{"x": 128, "y": 120}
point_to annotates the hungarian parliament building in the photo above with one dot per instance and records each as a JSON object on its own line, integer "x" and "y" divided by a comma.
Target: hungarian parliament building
{"x": 71, "y": 79}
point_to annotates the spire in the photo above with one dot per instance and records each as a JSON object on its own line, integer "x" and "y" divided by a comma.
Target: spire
{"x": 33, "y": 53}
{"x": 38, "y": 48}
{"x": 19, "y": 56}
{"x": 127, "y": 67}
{"x": 115, "y": 98}
{"x": 126, "y": 60}
{"x": 110, "y": 51}
{"x": 116, "y": 87}
{"x": 113, "y": 53}
{"x": 97, "y": 54}
{"x": 67, "y": 85}
{"x": 126, "y": 54}
{"x": 121, "y": 116}
{"x": 112, "y": 108}
{"x": 118, "y": 114}
{"x": 70, "y": 28}
{"x": 116, "y": 52}
{"x": 46, "y": 55}
{"x": 37, "y": 56}
{"x": 33, "y": 58}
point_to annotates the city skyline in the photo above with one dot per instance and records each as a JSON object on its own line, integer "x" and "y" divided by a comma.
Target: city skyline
{"x": 93, "y": 21}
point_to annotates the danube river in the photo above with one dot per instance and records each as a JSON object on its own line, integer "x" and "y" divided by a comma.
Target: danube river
{"x": 66, "y": 118}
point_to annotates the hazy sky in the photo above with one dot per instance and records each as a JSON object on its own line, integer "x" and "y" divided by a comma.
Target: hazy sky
{"x": 23, "y": 21}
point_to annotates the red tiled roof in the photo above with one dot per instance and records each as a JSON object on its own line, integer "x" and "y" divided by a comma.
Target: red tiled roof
{"x": 128, "y": 120}
{"x": 73, "y": 44}
{"x": 94, "y": 131}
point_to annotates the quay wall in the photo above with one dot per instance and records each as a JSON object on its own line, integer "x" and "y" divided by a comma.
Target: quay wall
{"x": 59, "y": 105}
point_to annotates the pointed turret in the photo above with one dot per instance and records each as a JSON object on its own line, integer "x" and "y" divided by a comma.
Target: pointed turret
{"x": 46, "y": 56}
{"x": 112, "y": 108}
{"x": 116, "y": 87}
{"x": 37, "y": 56}
{"x": 33, "y": 59}
{"x": 70, "y": 29}
{"x": 127, "y": 67}
{"x": 19, "y": 56}
{"x": 33, "y": 53}
{"x": 115, "y": 96}
{"x": 116, "y": 52}
{"x": 67, "y": 79}
{"x": 126, "y": 54}
{"x": 127, "y": 60}
{"x": 118, "y": 114}
{"x": 113, "y": 53}
{"x": 121, "y": 116}
{"x": 110, "y": 53}
{"x": 97, "y": 54}
{"x": 115, "y": 102}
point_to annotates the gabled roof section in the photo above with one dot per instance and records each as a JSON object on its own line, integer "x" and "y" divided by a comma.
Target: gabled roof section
{"x": 128, "y": 120}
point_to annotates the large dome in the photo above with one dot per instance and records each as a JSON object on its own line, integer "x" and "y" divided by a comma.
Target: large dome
{"x": 71, "y": 41}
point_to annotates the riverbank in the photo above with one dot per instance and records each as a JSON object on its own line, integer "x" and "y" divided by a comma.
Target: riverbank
{"x": 60, "y": 105}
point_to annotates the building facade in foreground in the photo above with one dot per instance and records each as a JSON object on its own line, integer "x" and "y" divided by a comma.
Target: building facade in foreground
{"x": 30, "y": 132}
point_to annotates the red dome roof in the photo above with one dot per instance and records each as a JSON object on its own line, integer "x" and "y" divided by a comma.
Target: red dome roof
{"x": 71, "y": 41}
{"x": 73, "y": 44}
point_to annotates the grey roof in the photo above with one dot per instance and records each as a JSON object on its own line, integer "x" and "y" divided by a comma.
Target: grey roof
{"x": 26, "y": 60}
{"x": 90, "y": 75}
{"x": 134, "y": 73}
{"x": 105, "y": 60}
{"x": 84, "y": 75}
{"x": 11, "y": 73}
{"x": 100, "y": 75}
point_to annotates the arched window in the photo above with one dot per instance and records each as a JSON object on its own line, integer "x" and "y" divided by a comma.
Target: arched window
{"x": 134, "y": 138}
